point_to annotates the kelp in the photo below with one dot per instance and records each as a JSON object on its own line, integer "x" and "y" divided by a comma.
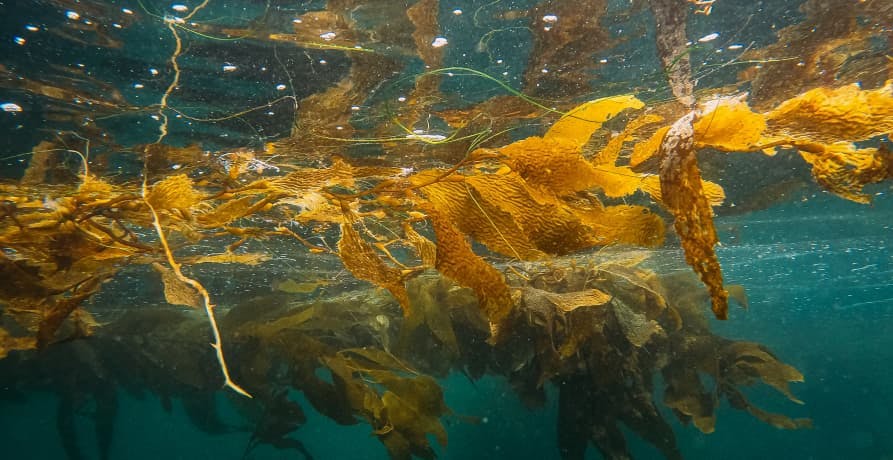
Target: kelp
{"x": 478, "y": 242}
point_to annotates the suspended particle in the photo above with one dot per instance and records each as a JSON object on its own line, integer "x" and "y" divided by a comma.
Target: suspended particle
{"x": 126, "y": 11}
{"x": 328, "y": 36}
{"x": 229, "y": 68}
{"x": 153, "y": 71}
{"x": 323, "y": 61}
{"x": 457, "y": 12}
{"x": 116, "y": 25}
{"x": 735, "y": 47}
{"x": 18, "y": 40}
{"x": 31, "y": 28}
{"x": 179, "y": 8}
{"x": 439, "y": 42}
{"x": 297, "y": 20}
{"x": 11, "y": 107}
{"x": 708, "y": 37}
{"x": 355, "y": 108}
{"x": 73, "y": 15}
{"x": 550, "y": 19}
{"x": 138, "y": 86}
{"x": 280, "y": 87}
{"x": 401, "y": 99}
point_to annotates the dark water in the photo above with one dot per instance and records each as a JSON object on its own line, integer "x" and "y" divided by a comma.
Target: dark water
{"x": 817, "y": 268}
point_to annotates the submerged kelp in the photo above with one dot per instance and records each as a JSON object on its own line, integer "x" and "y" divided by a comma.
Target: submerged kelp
{"x": 503, "y": 234}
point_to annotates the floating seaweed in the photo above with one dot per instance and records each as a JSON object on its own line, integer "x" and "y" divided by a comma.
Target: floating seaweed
{"x": 510, "y": 237}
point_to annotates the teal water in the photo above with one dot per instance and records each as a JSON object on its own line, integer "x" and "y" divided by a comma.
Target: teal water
{"x": 818, "y": 269}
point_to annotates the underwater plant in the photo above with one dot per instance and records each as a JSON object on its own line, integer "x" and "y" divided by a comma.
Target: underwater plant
{"x": 512, "y": 236}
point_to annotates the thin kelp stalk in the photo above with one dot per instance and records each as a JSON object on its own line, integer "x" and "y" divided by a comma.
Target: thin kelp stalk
{"x": 156, "y": 222}
{"x": 669, "y": 18}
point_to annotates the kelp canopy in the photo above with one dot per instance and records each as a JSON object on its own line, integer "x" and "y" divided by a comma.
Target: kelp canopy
{"x": 451, "y": 205}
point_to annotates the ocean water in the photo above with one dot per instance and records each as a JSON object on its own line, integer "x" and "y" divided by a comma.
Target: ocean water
{"x": 235, "y": 95}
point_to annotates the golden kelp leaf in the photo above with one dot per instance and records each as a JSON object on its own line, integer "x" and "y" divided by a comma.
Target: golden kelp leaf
{"x": 712, "y": 191}
{"x": 570, "y": 301}
{"x": 226, "y": 212}
{"x": 361, "y": 260}
{"x": 91, "y": 185}
{"x": 644, "y": 151}
{"x": 555, "y": 164}
{"x": 683, "y": 195}
{"x": 831, "y": 115}
{"x": 845, "y": 170}
{"x": 176, "y": 292}
{"x": 578, "y": 125}
{"x": 9, "y": 343}
{"x": 548, "y": 223}
{"x": 248, "y": 258}
{"x": 304, "y": 180}
{"x": 609, "y": 154}
{"x": 426, "y": 250}
{"x": 729, "y": 124}
{"x": 457, "y": 261}
{"x": 482, "y": 221}
{"x": 558, "y": 166}
{"x": 174, "y": 192}
{"x": 625, "y": 224}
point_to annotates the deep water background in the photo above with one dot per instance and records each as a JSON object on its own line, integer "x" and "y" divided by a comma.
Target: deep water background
{"x": 819, "y": 274}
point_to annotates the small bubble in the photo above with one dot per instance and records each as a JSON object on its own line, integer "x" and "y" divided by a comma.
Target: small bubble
{"x": 271, "y": 113}
{"x": 280, "y": 87}
{"x": 229, "y": 68}
{"x": 10, "y": 107}
{"x": 603, "y": 61}
{"x": 138, "y": 85}
{"x": 499, "y": 61}
{"x": 708, "y": 38}
{"x": 401, "y": 99}
{"x": 31, "y": 28}
{"x": 153, "y": 71}
{"x": 88, "y": 22}
{"x": 439, "y": 42}
{"x": 545, "y": 71}
{"x": 156, "y": 117}
{"x": 355, "y": 108}
{"x": 328, "y": 36}
{"x": 179, "y": 7}
{"x": 296, "y": 21}
{"x": 73, "y": 15}
{"x": 323, "y": 61}
{"x": 18, "y": 40}
{"x": 126, "y": 11}
{"x": 735, "y": 47}
{"x": 550, "y": 19}
{"x": 116, "y": 25}
{"x": 457, "y": 12}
